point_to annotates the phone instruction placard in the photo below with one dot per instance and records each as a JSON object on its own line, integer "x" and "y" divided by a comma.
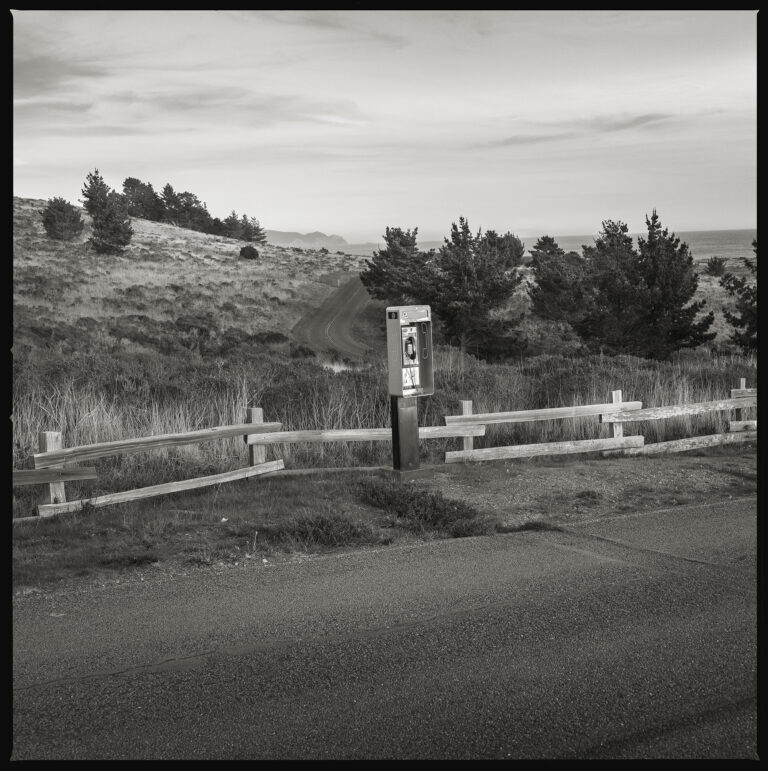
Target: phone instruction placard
{"x": 410, "y": 359}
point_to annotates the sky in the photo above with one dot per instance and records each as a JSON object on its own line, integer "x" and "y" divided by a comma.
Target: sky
{"x": 349, "y": 122}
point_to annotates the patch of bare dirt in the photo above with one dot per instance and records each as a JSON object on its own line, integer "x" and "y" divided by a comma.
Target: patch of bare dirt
{"x": 560, "y": 491}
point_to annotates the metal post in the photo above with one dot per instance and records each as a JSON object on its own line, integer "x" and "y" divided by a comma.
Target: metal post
{"x": 405, "y": 434}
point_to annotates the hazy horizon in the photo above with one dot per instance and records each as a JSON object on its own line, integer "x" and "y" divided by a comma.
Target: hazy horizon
{"x": 348, "y": 122}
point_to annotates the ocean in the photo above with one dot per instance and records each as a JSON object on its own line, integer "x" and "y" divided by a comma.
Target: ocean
{"x": 703, "y": 244}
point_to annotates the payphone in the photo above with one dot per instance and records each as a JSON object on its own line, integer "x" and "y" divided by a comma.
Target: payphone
{"x": 411, "y": 374}
{"x": 409, "y": 350}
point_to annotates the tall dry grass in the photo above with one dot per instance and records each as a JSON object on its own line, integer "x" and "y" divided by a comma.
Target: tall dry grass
{"x": 303, "y": 395}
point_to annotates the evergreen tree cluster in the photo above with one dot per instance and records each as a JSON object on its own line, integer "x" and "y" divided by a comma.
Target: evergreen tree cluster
{"x": 617, "y": 298}
{"x": 111, "y": 212}
{"x": 187, "y": 211}
{"x": 184, "y": 209}
{"x": 622, "y": 300}
{"x": 464, "y": 282}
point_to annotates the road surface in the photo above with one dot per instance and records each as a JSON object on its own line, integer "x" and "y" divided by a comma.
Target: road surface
{"x": 632, "y": 637}
{"x": 331, "y": 327}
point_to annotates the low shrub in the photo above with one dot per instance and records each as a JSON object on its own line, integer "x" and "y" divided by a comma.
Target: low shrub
{"x": 61, "y": 220}
{"x": 249, "y": 253}
{"x": 715, "y": 266}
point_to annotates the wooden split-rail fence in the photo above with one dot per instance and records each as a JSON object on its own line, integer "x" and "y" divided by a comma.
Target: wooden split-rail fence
{"x": 615, "y": 415}
{"x": 52, "y": 469}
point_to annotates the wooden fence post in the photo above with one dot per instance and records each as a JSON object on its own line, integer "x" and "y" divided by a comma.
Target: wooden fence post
{"x": 738, "y": 414}
{"x": 47, "y": 441}
{"x": 257, "y": 453}
{"x": 617, "y": 429}
{"x": 466, "y": 409}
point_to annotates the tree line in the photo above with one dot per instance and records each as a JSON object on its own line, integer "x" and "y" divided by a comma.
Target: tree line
{"x": 111, "y": 212}
{"x": 616, "y": 298}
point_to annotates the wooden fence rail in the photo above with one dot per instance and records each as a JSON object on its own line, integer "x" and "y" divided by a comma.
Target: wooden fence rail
{"x": 690, "y": 443}
{"x": 614, "y": 415}
{"x": 142, "y": 444}
{"x": 615, "y": 441}
{"x": 676, "y": 410}
{"x": 360, "y": 434}
{"x": 51, "y": 509}
{"x": 547, "y": 448}
{"x": 552, "y": 413}
{"x": 48, "y": 475}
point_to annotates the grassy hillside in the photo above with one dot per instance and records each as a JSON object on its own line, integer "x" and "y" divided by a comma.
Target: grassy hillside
{"x": 171, "y": 290}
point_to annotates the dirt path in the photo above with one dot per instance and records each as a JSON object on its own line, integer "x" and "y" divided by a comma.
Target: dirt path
{"x": 331, "y": 327}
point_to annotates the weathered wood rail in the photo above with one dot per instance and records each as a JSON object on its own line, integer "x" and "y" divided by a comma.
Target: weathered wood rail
{"x": 679, "y": 410}
{"x": 142, "y": 444}
{"x": 615, "y": 441}
{"x": 738, "y": 430}
{"x": 361, "y": 434}
{"x": 615, "y": 415}
{"x": 52, "y": 475}
{"x": 163, "y": 489}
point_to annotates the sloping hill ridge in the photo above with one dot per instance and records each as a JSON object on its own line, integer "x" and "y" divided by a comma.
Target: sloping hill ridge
{"x": 171, "y": 289}
{"x": 314, "y": 240}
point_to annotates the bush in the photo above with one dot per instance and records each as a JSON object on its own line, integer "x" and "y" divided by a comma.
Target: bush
{"x": 715, "y": 266}
{"x": 61, "y": 220}
{"x": 249, "y": 253}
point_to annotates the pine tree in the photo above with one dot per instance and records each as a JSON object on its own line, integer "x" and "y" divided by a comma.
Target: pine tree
{"x": 112, "y": 230}
{"x": 558, "y": 292}
{"x": 395, "y": 274}
{"x": 171, "y": 204}
{"x": 258, "y": 234}
{"x": 464, "y": 282}
{"x": 611, "y": 301}
{"x": 61, "y": 220}
{"x": 744, "y": 320}
{"x": 233, "y": 225}
{"x": 142, "y": 200}
{"x": 246, "y": 229}
{"x": 94, "y": 192}
{"x": 666, "y": 266}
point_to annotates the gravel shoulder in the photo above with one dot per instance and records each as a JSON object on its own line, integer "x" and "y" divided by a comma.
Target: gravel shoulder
{"x": 561, "y": 491}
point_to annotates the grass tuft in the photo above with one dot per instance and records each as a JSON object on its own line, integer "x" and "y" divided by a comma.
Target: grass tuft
{"x": 317, "y": 531}
{"x": 424, "y": 512}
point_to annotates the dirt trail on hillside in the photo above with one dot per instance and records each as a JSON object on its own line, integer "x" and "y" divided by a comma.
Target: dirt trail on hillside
{"x": 331, "y": 327}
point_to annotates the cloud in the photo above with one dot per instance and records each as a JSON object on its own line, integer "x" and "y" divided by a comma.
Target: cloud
{"x": 40, "y": 74}
{"x": 558, "y": 131}
{"x": 229, "y": 105}
{"x": 367, "y": 26}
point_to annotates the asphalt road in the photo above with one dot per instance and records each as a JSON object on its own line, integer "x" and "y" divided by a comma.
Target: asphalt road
{"x": 633, "y": 637}
{"x": 331, "y": 327}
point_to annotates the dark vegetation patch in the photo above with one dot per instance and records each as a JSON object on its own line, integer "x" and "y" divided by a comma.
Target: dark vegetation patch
{"x": 423, "y": 512}
{"x": 535, "y": 525}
